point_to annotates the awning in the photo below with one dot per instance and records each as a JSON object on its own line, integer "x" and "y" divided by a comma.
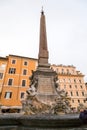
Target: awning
{"x": 11, "y": 107}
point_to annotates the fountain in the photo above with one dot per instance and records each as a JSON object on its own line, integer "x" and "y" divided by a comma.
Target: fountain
{"x": 46, "y": 107}
{"x": 44, "y": 94}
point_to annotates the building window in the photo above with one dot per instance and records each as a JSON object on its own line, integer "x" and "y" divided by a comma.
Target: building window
{"x": 12, "y": 70}
{"x": 66, "y": 92}
{"x": 24, "y": 72}
{"x": 82, "y": 93}
{"x": 23, "y": 82}
{"x": 80, "y": 81}
{"x": 10, "y": 81}
{"x": 77, "y": 94}
{"x": 62, "y": 71}
{"x": 13, "y": 61}
{"x": 72, "y": 101}
{"x": 3, "y": 66}
{"x": 78, "y": 101}
{"x": 74, "y": 80}
{"x": 75, "y": 86}
{"x": 8, "y": 95}
{"x": 69, "y": 81}
{"x": 1, "y": 75}
{"x": 67, "y": 71}
{"x": 71, "y": 94}
{"x": 80, "y": 86}
{"x": 22, "y": 95}
{"x": 70, "y": 86}
{"x": 64, "y": 86}
{"x": 25, "y": 63}
{"x": 84, "y": 101}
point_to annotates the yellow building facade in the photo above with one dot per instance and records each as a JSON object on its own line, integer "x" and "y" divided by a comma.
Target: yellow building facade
{"x": 16, "y": 81}
{"x": 3, "y": 64}
{"x": 72, "y": 81}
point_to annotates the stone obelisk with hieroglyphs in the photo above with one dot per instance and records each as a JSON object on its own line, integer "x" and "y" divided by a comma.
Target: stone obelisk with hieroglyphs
{"x": 44, "y": 75}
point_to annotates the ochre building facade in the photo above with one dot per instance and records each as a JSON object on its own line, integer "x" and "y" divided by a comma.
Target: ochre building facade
{"x": 72, "y": 81}
{"x": 14, "y": 81}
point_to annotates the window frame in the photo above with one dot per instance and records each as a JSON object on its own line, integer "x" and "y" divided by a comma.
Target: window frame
{"x": 22, "y": 95}
{"x": 12, "y": 70}
{"x": 1, "y": 75}
{"x": 23, "y": 83}
{"x": 24, "y": 73}
{"x": 9, "y": 81}
{"x": 83, "y": 93}
{"x": 25, "y": 63}
{"x": 71, "y": 93}
{"x": 13, "y": 62}
{"x": 77, "y": 94}
{"x": 8, "y": 95}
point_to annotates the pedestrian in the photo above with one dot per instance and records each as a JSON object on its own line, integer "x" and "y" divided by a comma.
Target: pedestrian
{"x": 83, "y": 116}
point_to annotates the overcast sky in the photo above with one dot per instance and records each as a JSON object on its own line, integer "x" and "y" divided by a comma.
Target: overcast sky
{"x": 66, "y": 24}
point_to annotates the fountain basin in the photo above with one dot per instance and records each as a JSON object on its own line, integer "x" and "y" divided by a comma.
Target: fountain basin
{"x": 38, "y": 122}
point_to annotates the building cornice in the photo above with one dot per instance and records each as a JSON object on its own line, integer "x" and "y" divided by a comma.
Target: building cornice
{"x": 22, "y": 57}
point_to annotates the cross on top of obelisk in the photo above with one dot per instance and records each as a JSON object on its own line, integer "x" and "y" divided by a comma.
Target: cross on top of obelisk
{"x": 42, "y": 12}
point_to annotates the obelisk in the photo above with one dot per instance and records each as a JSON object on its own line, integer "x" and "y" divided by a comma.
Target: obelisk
{"x": 43, "y": 49}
